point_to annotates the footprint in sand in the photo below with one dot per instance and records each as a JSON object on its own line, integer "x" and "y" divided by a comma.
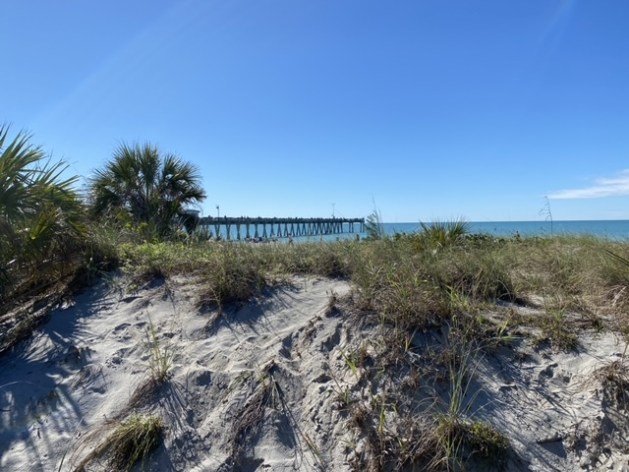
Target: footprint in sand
{"x": 548, "y": 372}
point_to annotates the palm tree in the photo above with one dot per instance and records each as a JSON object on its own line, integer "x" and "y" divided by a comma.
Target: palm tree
{"x": 141, "y": 184}
{"x": 41, "y": 216}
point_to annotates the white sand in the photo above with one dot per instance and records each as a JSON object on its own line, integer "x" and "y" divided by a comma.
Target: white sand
{"x": 83, "y": 367}
{"x": 553, "y": 408}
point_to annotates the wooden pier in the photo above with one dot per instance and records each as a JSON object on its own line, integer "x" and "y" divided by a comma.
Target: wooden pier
{"x": 269, "y": 228}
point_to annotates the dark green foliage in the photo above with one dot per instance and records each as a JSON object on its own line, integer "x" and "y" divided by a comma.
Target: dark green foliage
{"x": 486, "y": 442}
{"x": 140, "y": 186}
{"x": 42, "y": 225}
{"x": 442, "y": 234}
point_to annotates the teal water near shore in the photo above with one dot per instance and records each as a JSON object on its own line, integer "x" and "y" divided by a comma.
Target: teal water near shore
{"x": 617, "y": 230}
{"x": 611, "y": 229}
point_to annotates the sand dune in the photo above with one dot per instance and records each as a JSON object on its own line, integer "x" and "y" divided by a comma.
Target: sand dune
{"x": 258, "y": 387}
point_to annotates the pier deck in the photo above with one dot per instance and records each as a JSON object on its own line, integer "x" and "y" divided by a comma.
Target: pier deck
{"x": 258, "y": 227}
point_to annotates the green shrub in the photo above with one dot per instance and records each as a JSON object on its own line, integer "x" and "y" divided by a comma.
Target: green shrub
{"x": 42, "y": 221}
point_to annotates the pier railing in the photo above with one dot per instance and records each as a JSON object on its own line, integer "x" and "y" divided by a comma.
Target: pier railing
{"x": 268, "y": 228}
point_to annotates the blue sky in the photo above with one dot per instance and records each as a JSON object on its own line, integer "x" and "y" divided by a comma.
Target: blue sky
{"x": 432, "y": 109}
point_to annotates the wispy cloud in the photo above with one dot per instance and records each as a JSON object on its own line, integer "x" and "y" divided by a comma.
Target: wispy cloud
{"x": 604, "y": 187}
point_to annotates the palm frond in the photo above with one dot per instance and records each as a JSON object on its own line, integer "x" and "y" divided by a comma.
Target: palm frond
{"x": 41, "y": 215}
{"x": 150, "y": 188}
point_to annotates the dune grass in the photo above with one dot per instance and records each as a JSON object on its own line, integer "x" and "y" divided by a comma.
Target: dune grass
{"x": 413, "y": 282}
{"x": 129, "y": 443}
{"x": 410, "y": 284}
{"x": 161, "y": 356}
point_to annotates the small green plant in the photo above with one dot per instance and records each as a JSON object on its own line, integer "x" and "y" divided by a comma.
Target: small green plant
{"x": 498, "y": 334}
{"x": 459, "y": 302}
{"x": 460, "y": 440}
{"x": 559, "y": 332}
{"x": 131, "y": 441}
{"x": 161, "y": 357}
{"x": 441, "y": 234}
{"x": 449, "y": 441}
{"x": 486, "y": 441}
{"x": 453, "y": 443}
{"x": 344, "y": 396}
{"x": 379, "y": 404}
{"x": 355, "y": 359}
{"x": 350, "y": 361}
{"x": 374, "y": 227}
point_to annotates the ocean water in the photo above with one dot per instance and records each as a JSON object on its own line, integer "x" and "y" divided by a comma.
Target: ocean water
{"x": 617, "y": 230}
{"x": 610, "y": 229}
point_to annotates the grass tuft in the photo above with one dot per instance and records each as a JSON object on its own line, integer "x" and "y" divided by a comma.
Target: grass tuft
{"x": 441, "y": 234}
{"x": 161, "y": 357}
{"x": 486, "y": 441}
{"x": 557, "y": 330}
{"x": 131, "y": 441}
{"x": 232, "y": 278}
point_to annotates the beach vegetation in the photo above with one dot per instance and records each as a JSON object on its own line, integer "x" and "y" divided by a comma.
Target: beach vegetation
{"x": 161, "y": 356}
{"x": 557, "y": 330}
{"x": 231, "y": 277}
{"x": 440, "y": 234}
{"x": 410, "y": 288}
{"x": 42, "y": 222}
{"x": 374, "y": 228}
{"x": 481, "y": 291}
{"x": 130, "y": 442}
{"x": 143, "y": 187}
